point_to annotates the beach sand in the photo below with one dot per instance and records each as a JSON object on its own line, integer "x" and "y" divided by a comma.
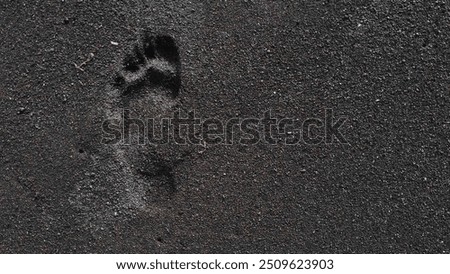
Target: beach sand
{"x": 381, "y": 68}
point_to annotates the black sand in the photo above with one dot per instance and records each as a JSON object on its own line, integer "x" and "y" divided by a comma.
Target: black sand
{"x": 383, "y": 64}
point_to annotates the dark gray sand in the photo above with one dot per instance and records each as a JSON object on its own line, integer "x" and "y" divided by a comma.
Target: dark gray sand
{"x": 66, "y": 66}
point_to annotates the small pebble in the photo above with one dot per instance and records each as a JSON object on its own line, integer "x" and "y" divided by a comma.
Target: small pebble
{"x": 21, "y": 110}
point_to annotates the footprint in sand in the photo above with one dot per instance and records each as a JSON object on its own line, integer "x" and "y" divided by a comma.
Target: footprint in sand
{"x": 148, "y": 85}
